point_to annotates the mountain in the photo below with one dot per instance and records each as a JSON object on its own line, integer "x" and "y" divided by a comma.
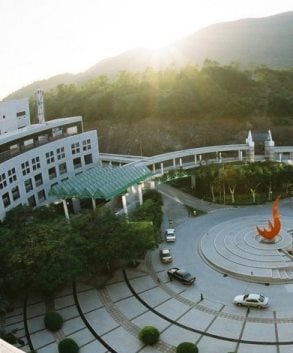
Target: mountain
{"x": 48, "y": 84}
{"x": 261, "y": 41}
{"x": 254, "y": 41}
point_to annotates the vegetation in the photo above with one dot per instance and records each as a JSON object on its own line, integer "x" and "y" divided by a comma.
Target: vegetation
{"x": 149, "y": 335}
{"x": 186, "y": 347}
{"x": 53, "y": 321}
{"x": 150, "y": 210}
{"x": 240, "y": 183}
{"x": 68, "y": 345}
{"x": 39, "y": 254}
{"x": 153, "y": 195}
{"x": 196, "y": 100}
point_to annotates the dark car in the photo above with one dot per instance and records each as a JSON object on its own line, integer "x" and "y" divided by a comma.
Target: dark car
{"x": 181, "y": 275}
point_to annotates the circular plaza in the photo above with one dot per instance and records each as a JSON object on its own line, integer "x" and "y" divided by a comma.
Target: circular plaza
{"x": 235, "y": 248}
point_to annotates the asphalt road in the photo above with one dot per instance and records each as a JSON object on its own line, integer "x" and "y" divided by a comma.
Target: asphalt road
{"x": 213, "y": 284}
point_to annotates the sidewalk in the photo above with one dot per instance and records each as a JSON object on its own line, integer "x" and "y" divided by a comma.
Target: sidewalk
{"x": 189, "y": 200}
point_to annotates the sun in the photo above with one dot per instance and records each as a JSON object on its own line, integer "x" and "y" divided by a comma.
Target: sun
{"x": 155, "y": 24}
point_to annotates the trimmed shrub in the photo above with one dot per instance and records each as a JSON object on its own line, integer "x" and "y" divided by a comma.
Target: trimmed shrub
{"x": 187, "y": 347}
{"x": 149, "y": 335}
{"x": 68, "y": 345}
{"x": 53, "y": 321}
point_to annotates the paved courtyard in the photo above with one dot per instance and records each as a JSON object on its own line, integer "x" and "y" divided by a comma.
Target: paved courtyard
{"x": 109, "y": 319}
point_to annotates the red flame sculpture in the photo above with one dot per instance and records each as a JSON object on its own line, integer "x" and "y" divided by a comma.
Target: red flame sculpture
{"x": 274, "y": 228}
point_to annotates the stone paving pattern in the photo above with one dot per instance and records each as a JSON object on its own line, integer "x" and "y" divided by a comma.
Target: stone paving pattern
{"x": 116, "y": 314}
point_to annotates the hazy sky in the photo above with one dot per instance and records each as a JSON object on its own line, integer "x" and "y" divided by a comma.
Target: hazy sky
{"x": 42, "y": 38}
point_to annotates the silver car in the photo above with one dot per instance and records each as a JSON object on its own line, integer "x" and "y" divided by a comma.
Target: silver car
{"x": 170, "y": 235}
{"x": 165, "y": 256}
{"x": 251, "y": 300}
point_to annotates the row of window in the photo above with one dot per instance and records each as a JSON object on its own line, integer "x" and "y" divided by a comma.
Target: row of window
{"x": 86, "y": 145}
{"x": 25, "y": 166}
{"x": 20, "y": 114}
{"x": 37, "y": 165}
{"x": 6, "y": 198}
{"x": 11, "y": 177}
{"x": 15, "y": 196}
{"x": 60, "y": 154}
{"x": 38, "y": 179}
{"x": 88, "y": 159}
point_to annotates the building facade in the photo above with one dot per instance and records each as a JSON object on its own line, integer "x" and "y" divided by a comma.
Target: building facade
{"x": 14, "y": 115}
{"x": 35, "y": 157}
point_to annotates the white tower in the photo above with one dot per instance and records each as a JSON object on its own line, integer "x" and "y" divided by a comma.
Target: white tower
{"x": 250, "y": 144}
{"x": 269, "y": 147}
{"x": 39, "y": 94}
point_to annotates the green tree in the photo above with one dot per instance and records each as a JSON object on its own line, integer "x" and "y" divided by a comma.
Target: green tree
{"x": 149, "y": 211}
{"x": 39, "y": 256}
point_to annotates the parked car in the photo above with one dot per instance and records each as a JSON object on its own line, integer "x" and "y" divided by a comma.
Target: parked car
{"x": 165, "y": 255}
{"x": 251, "y": 300}
{"x": 181, "y": 275}
{"x": 170, "y": 235}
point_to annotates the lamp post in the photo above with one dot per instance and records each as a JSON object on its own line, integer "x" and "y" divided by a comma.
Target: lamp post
{"x": 223, "y": 182}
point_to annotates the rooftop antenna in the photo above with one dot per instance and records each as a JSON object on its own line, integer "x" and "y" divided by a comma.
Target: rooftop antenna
{"x": 39, "y": 95}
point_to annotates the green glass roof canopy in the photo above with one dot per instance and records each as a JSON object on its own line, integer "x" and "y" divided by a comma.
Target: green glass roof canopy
{"x": 101, "y": 182}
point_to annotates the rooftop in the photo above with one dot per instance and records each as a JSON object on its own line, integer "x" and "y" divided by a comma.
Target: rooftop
{"x": 101, "y": 182}
{"x": 37, "y": 128}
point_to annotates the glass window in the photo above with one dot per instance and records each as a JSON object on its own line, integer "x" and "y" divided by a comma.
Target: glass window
{"x": 19, "y": 114}
{"x": 3, "y": 182}
{"x": 60, "y": 153}
{"x": 28, "y": 185}
{"x": 12, "y": 175}
{"x": 77, "y": 163}
{"x": 52, "y": 173}
{"x": 72, "y": 130}
{"x": 56, "y": 132}
{"x": 86, "y": 145}
{"x": 6, "y": 199}
{"x": 15, "y": 193}
{"x": 38, "y": 179}
{"x": 75, "y": 148}
{"x": 25, "y": 168}
{"x": 50, "y": 157}
{"x": 62, "y": 168}
{"x": 28, "y": 143}
{"x": 88, "y": 159}
{"x": 31, "y": 201}
{"x": 36, "y": 163}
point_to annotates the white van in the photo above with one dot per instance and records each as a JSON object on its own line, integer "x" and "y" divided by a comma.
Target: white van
{"x": 170, "y": 235}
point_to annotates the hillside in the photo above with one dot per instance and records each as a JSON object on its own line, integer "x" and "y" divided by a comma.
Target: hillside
{"x": 249, "y": 42}
{"x": 262, "y": 41}
{"x": 155, "y": 112}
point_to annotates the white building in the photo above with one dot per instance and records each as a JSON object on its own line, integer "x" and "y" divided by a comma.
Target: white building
{"x": 34, "y": 157}
{"x": 14, "y": 115}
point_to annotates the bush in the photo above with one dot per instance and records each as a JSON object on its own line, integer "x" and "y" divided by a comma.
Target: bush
{"x": 68, "y": 345}
{"x": 187, "y": 347}
{"x": 149, "y": 335}
{"x": 53, "y": 321}
{"x": 153, "y": 195}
